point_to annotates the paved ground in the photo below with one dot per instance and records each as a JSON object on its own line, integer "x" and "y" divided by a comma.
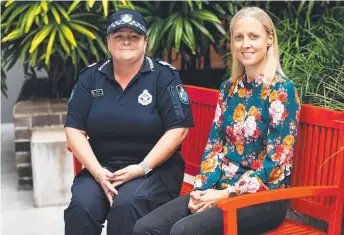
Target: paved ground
{"x": 18, "y": 214}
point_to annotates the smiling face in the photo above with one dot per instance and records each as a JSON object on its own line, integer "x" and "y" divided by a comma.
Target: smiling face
{"x": 126, "y": 45}
{"x": 250, "y": 43}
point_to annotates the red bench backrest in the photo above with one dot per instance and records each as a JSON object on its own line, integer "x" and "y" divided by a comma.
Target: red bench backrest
{"x": 203, "y": 104}
{"x": 320, "y": 136}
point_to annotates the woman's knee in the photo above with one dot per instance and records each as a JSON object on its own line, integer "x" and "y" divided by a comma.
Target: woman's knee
{"x": 178, "y": 229}
{"x": 143, "y": 227}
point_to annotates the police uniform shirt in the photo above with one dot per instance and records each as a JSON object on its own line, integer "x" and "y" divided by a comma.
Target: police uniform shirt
{"x": 126, "y": 125}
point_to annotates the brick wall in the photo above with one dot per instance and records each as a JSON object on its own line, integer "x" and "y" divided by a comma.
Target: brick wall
{"x": 28, "y": 115}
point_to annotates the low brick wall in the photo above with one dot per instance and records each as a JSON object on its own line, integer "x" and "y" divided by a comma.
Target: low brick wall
{"x": 28, "y": 115}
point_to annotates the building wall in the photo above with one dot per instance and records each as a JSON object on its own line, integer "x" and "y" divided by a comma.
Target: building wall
{"x": 15, "y": 80}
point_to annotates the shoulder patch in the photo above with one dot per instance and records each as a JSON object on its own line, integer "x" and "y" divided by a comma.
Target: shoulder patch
{"x": 183, "y": 96}
{"x": 72, "y": 94}
{"x": 166, "y": 64}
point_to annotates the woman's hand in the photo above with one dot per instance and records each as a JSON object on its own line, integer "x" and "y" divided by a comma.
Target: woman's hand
{"x": 211, "y": 197}
{"x": 103, "y": 177}
{"x": 126, "y": 174}
{"x": 195, "y": 203}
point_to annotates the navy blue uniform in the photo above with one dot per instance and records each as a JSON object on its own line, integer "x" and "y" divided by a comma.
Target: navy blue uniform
{"x": 123, "y": 126}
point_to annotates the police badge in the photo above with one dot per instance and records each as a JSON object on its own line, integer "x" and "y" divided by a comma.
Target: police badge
{"x": 145, "y": 98}
{"x": 183, "y": 96}
{"x": 126, "y": 18}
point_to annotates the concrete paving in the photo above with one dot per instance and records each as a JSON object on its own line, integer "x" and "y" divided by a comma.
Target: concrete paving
{"x": 18, "y": 214}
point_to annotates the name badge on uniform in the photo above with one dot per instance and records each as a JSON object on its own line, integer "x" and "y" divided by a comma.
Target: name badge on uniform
{"x": 145, "y": 98}
{"x": 97, "y": 92}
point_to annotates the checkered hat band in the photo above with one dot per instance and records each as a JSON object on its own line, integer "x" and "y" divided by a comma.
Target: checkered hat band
{"x": 120, "y": 22}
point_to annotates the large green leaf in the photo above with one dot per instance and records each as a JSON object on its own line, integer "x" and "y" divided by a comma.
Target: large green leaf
{"x": 105, "y": 7}
{"x": 68, "y": 34}
{"x": 93, "y": 49}
{"x": 10, "y": 10}
{"x": 80, "y": 22}
{"x": 50, "y": 45}
{"x": 201, "y": 28}
{"x": 82, "y": 30}
{"x": 82, "y": 56}
{"x": 63, "y": 41}
{"x": 62, "y": 11}
{"x": 205, "y": 15}
{"x": 101, "y": 44}
{"x": 55, "y": 14}
{"x": 178, "y": 32}
{"x": 41, "y": 35}
{"x": 170, "y": 22}
{"x": 24, "y": 50}
{"x": 14, "y": 14}
{"x": 44, "y": 6}
{"x": 189, "y": 35}
{"x": 154, "y": 35}
{"x": 9, "y": 2}
{"x": 12, "y": 36}
{"x": 73, "y": 6}
{"x": 31, "y": 17}
{"x": 33, "y": 57}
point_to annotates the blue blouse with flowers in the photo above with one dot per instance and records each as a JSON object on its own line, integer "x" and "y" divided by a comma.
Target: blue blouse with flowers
{"x": 252, "y": 138}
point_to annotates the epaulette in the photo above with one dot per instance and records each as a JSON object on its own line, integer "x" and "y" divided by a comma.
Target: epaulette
{"x": 165, "y": 64}
{"x": 89, "y": 66}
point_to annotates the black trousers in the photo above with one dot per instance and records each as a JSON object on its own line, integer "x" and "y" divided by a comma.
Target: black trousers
{"x": 174, "y": 218}
{"x": 89, "y": 207}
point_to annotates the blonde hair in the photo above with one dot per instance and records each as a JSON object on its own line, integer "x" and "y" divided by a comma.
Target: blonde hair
{"x": 272, "y": 64}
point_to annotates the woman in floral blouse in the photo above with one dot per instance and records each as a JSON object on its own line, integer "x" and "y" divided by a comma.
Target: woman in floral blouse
{"x": 251, "y": 143}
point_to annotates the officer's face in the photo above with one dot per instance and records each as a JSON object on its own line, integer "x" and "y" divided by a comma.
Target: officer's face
{"x": 126, "y": 45}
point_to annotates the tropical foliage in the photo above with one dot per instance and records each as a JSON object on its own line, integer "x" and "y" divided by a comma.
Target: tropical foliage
{"x": 189, "y": 27}
{"x": 59, "y": 37}
{"x": 63, "y": 37}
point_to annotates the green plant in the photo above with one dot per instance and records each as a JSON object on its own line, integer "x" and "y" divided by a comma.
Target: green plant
{"x": 59, "y": 37}
{"x": 189, "y": 27}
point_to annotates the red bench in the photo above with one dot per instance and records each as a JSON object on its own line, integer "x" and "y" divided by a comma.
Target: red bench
{"x": 315, "y": 192}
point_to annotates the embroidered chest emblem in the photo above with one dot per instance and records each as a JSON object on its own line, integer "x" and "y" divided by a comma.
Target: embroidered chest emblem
{"x": 145, "y": 98}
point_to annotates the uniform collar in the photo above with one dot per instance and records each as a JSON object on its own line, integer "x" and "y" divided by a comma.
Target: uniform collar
{"x": 107, "y": 67}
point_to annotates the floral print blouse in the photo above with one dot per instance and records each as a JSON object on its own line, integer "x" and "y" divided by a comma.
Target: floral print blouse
{"x": 252, "y": 138}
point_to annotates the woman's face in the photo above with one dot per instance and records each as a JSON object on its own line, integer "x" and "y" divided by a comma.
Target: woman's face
{"x": 251, "y": 42}
{"x": 126, "y": 45}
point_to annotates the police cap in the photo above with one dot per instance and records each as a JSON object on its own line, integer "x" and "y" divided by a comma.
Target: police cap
{"x": 127, "y": 18}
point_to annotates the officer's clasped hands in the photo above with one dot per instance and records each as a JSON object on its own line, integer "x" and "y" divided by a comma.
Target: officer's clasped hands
{"x": 126, "y": 174}
{"x": 104, "y": 178}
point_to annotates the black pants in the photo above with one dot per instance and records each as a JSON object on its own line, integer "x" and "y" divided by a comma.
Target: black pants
{"x": 89, "y": 207}
{"x": 174, "y": 218}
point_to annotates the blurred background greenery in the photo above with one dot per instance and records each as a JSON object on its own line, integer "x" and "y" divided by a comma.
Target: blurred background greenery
{"x": 63, "y": 37}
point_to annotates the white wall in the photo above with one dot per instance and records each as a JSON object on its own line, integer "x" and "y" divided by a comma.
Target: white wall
{"x": 15, "y": 80}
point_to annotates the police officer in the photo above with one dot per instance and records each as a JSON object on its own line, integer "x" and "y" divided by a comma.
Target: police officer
{"x": 135, "y": 113}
